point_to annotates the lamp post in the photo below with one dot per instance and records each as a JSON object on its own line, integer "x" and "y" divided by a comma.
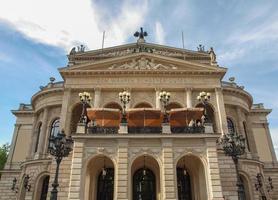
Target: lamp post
{"x": 234, "y": 146}
{"x": 204, "y": 97}
{"x": 125, "y": 99}
{"x": 164, "y": 98}
{"x": 85, "y": 99}
{"x": 60, "y": 147}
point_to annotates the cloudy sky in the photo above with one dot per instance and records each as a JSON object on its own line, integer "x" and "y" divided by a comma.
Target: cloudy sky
{"x": 35, "y": 37}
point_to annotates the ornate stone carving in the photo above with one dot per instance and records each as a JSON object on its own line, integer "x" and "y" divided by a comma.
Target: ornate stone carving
{"x": 142, "y": 64}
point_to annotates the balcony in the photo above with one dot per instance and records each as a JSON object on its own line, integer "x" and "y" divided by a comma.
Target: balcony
{"x": 145, "y": 121}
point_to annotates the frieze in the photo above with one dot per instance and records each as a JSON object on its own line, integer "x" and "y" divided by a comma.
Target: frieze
{"x": 142, "y": 64}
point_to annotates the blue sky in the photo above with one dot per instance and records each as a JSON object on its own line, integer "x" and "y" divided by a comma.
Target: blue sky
{"x": 35, "y": 37}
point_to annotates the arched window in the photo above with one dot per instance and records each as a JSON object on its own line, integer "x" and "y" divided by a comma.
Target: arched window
{"x": 231, "y": 127}
{"x": 242, "y": 189}
{"x": 173, "y": 105}
{"x": 55, "y": 127}
{"x": 210, "y": 115}
{"x": 105, "y": 186}
{"x": 144, "y": 185}
{"x": 39, "y": 127}
{"x": 75, "y": 116}
{"x": 113, "y": 105}
{"x": 143, "y": 105}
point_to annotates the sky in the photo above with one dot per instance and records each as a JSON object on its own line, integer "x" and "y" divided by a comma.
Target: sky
{"x": 36, "y": 35}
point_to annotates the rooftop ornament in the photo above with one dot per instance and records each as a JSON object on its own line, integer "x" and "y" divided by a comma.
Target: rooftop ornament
{"x": 141, "y": 35}
{"x": 59, "y": 146}
{"x": 201, "y": 48}
{"x": 85, "y": 99}
{"x": 234, "y": 146}
{"x": 164, "y": 98}
{"x": 125, "y": 99}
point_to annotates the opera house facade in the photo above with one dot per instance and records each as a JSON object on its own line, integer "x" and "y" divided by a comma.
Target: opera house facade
{"x": 146, "y": 121}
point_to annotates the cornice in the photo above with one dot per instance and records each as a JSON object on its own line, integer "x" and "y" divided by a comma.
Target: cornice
{"x": 22, "y": 112}
{"x": 46, "y": 92}
{"x": 240, "y": 92}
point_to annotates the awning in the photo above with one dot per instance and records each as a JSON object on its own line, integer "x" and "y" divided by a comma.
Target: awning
{"x": 105, "y": 117}
{"x": 181, "y": 117}
{"x": 144, "y": 117}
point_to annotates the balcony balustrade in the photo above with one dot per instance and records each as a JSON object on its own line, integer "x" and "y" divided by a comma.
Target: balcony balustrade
{"x": 145, "y": 121}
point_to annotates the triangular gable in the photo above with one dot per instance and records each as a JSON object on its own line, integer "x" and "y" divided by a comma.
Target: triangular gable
{"x": 143, "y": 61}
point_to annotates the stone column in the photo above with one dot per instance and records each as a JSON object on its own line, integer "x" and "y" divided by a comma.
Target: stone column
{"x": 43, "y": 132}
{"x": 221, "y": 113}
{"x": 213, "y": 171}
{"x": 122, "y": 171}
{"x": 76, "y": 172}
{"x": 168, "y": 175}
{"x": 270, "y": 143}
{"x": 188, "y": 97}
{"x": 13, "y": 144}
{"x": 65, "y": 112}
{"x": 157, "y": 101}
{"x": 97, "y": 98}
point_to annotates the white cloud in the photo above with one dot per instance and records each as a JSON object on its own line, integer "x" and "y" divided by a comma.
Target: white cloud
{"x": 229, "y": 56}
{"x": 159, "y": 33}
{"x": 66, "y": 23}
{"x": 274, "y": 136}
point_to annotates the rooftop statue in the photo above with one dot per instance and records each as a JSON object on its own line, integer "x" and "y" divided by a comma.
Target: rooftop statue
{"x": 141, "y": 35}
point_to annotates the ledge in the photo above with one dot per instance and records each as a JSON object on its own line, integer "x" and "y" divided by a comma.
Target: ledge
{"x": 145, "y": 136}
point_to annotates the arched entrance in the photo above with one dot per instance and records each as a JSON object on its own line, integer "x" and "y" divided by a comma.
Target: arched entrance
{"x": 191, "y": 179}
{"x": 100, "y": 179}
{"x": 145, "y": 178}
{"x": 113, "y": 105}
{"x": 143, "y": 105}
{"x": 210, "y": 114}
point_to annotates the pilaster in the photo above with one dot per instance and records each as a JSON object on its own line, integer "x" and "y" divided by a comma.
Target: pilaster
{"x": 216, "y": 192}
{"x": 188, "y": 97}
{"x": 168, "y": 177}
{"x": 11, "y": 153}
{"x": 253, "y": 147}
{"x": 65, "y": 112}
{"x": 33, "y": 138}
{"x": 221, "y": 111}
{"x": 97, "y": 98}
{"x": 122, "y": 171}
{"x": 76, "y": 171}
{"x": 270, "y": 143}
{"x": 157, "y": 100}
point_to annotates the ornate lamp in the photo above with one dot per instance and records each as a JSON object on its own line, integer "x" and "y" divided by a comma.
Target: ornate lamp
{"x": 60, "y": 147}
{"x": 125, "y": 99}
{"x": 259, "y": 185}
{"x": 204, "y": 98}
{"x": 234, "y": 146}
{"x": 164, "y": 98}
{"x": 85, "y": 99}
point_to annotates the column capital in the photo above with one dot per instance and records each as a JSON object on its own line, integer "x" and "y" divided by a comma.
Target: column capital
{"x": 188, "y": 89}
{"x": 97, "y": 89}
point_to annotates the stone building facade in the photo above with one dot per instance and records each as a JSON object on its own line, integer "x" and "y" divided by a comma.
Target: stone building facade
{"x": 144, "y": 70}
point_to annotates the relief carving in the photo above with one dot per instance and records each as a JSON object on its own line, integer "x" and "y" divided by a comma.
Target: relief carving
{"x": 142, "y": 64}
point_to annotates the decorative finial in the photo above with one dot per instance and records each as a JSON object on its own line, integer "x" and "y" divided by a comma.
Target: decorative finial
{"x": 141, "y": 35}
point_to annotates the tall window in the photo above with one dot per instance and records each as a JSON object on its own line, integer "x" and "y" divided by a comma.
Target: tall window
{"x": 38, "y": 136}
{"x": 183, "y": 183}
{"x": 44, "y": 188}
{"x": 105, "y": 186}
{"x": 144, "y": 185}
{"x": 55, "y": 127}
{"x": 242, "y": 189}
{"x": 246, "y": 136}
{"x": 231, "y": 126}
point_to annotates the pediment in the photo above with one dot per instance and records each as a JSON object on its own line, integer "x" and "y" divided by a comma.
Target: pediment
{"x": 143, "y": 62}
